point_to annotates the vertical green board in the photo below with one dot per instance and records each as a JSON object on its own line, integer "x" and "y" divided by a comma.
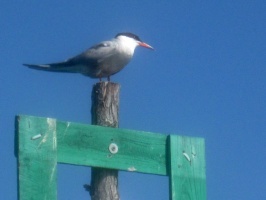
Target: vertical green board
{"x": 37, "y": 158}
{"x": 187, "y": 168}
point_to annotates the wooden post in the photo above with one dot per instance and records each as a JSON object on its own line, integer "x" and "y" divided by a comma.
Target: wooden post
{"x": 104, "y": 112}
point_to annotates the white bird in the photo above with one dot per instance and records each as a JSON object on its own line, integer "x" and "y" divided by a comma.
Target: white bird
{"x": 101, "y": 60}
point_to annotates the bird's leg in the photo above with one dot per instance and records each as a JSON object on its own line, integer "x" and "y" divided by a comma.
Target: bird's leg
{"x": 108, "y": 78}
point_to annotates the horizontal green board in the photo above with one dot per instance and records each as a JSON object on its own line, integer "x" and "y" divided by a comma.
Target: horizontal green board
{"x": 89, "y": 145}
{"x": 81, "y": 144}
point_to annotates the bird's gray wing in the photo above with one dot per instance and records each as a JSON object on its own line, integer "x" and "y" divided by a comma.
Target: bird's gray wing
{"x": 94, "y": 55}
{"x": 89, "y": 58}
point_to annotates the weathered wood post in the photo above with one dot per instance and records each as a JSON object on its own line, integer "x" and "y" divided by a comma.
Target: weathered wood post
{"x": 104, "y": 112}
{"x": 44, "y": 142}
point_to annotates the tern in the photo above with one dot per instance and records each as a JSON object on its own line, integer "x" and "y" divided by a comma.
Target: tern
{"x": 101, "y": 60}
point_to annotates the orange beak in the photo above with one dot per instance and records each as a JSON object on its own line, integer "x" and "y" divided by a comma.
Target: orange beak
{"x": 145, "y": 45}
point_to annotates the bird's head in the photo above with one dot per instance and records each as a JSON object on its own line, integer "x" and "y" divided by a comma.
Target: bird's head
{"x": 132, "y": 40}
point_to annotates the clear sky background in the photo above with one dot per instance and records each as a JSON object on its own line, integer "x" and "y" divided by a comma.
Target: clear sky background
{"x": 205, "y": 79}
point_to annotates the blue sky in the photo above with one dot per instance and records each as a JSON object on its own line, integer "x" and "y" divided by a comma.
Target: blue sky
{"x": 205, "y": 79}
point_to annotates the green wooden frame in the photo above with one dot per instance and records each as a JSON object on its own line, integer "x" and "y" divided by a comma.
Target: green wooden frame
{"x": 44, "y": 142}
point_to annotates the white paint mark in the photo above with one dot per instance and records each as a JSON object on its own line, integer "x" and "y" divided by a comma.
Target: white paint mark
{"x": 54, "y": 140}
{"x": 53, "y": 172}
{"x": 51, "y": 128}
{"x": 68, "y": 124}
{"x": 36, "y": 136}
{"x": 187, "y": 157}
{"x": 43, "y": 140}
{"x": 131, "y": 169}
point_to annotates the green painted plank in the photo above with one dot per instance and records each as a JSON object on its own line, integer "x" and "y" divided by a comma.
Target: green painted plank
{"x": 89, "y": 145}
{"x": 37, "y": 158}
{"x": 187, "y": 168}
{"x": 44, "y": 141}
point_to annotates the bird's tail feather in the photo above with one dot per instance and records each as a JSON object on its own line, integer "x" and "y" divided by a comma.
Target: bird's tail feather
{"x": 54, "y": 67}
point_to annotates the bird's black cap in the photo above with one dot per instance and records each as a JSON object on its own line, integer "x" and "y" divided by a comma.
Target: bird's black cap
{"x": 131, "y": 35}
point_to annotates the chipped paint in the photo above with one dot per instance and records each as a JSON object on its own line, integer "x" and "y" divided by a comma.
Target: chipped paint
{"x": 53, "y": 172}
{"x": 131, "y": 169}
{"x": 68, "y": 124}
{"x": 51, "y": 128}
{"x": 187, "y": 156}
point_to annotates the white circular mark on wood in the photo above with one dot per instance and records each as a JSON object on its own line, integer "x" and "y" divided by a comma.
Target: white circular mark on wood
{"x": 113, "y": 148}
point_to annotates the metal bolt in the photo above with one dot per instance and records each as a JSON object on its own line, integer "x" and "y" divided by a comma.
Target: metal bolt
{"x": 113, "y": 148}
